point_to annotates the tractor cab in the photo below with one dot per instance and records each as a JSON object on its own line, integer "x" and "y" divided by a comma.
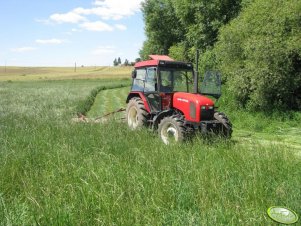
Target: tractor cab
{"x": 158, "y": 79}
{"x": 164, "y": 76}
{"x": 164, "y": 88}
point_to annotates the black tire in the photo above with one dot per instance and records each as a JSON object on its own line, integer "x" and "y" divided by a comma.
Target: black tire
{"x": 136, "y": 114}
{"x": 171, "y": 130}
{"x": 227, "y": 125}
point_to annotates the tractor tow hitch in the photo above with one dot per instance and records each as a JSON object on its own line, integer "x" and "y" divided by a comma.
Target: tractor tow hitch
{"x": 100, "y": 119}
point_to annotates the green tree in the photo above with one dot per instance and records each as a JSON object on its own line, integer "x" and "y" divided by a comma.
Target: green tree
{"x": 115, "y": 62}
{"x": 260, "y": 54}
{"x": 202, "y": 19}
{"x": 162, "y": 27}
{"x": 126, "y": 62}
{"x": 149, "y": 47}
{"x": 119, "y": 61}
{"x": 177, "y": 52}
{"x": 185, "y": 25}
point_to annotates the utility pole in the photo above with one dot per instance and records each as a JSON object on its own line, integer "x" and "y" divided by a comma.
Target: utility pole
{"x": 75, "y": 67}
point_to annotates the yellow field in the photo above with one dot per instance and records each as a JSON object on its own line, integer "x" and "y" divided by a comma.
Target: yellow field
{"x": 59, "y": 73}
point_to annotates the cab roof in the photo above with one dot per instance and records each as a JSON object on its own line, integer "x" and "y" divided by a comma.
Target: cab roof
{"x": 163, "y": 61}
{"x": 154, "y": 61}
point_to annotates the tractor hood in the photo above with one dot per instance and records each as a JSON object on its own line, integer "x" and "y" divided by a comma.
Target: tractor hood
{"x": 200, "y": 100}
{"x": 190, "y": 104}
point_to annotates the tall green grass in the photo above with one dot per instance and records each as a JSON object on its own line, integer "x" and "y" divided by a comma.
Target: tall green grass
{"x": 56, "y": 172}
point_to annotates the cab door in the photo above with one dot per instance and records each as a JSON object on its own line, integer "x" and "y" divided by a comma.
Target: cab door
{"x": 151, "y": 89}
{"x": 211, "y": 84}
{"x": 139, "y": 80}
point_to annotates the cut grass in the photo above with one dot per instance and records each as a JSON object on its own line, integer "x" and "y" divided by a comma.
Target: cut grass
{"x": 89, "y": 103}
{"x": 108, "y": 101}
{"x": 54, "y": 172}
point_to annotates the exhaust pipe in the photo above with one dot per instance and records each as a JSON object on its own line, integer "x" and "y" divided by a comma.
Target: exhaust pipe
{"x": 196, "y": 72}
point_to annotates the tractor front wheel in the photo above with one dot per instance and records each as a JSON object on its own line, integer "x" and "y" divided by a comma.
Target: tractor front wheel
{"x": 136, "y": 114}
{"x": 227, "y": 125}
{"x": 171, "y": 130}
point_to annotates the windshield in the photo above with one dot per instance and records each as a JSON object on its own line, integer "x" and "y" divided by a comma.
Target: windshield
{"x": 176, "y": 80}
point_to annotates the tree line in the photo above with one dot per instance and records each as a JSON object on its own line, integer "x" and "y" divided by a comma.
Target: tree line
{"x": 117, "y": 62}
{"x": 256, "y": 44}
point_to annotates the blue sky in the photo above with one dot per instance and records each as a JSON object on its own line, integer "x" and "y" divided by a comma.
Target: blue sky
{"x": 62, "y": 32}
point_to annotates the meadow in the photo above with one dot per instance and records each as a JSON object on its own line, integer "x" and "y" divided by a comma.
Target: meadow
{"x": 62, "y": 73}
{"x": 57, "y": 172}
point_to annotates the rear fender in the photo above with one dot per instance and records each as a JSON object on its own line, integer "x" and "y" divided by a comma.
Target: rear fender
{"x": 160, "y": 116}
{"x": 140, "y": 95}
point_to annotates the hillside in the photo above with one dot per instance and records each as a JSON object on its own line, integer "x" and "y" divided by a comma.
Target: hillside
{"x": 61, "y": 73}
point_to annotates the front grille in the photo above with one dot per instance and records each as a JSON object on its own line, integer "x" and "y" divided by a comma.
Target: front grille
{"x": 207, "y": 114}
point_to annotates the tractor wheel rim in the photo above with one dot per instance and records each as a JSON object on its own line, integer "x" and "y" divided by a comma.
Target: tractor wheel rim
{"x": 169, "y": 134}
{"x": 133, "y": 118}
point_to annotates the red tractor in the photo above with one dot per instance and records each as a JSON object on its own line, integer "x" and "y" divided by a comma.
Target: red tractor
{"x": 165, "y": 97}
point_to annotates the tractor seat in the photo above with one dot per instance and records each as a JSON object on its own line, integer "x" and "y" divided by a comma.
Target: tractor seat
{"x": 166, "y": 89}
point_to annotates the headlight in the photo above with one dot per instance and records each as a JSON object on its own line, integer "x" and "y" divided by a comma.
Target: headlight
{"x": 207, "y": 107}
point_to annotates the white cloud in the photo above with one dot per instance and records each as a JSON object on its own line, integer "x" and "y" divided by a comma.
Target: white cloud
{"x": 50, "y": 41}
{"x": 23, "y": 49}
{"x": 105, "y": 9}
{"x": 104, "y": 50}
{"x": 114, "y": 9}
{"x": 70, "y": 17}
{"x": 76, "y": 30}
{"x": 120, "y": 27}
{"x": 82, "y": 11}
{"x": 43, "y": 21}
{"x": 96, "y": 26}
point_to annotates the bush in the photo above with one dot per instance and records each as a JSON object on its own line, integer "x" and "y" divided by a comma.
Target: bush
{"x": 259, "y": 52}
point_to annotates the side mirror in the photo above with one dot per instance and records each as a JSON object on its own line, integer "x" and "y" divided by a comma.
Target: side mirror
{"x": 134, "y": 74}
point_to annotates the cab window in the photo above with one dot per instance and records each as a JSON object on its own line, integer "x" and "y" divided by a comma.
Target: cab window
{"x": 166, "y": 81}
{"x": 138, "y": 83}
{"x": 151, "y": 80}
{"x": 183, "y": 81}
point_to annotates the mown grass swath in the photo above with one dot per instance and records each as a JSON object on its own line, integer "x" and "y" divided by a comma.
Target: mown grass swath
{"x": 55, "y": 172}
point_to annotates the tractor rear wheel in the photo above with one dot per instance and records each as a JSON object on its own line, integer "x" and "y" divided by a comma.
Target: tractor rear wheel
{"x": 171, "y": 129}
{"x": 227, "y": 125}
{"x": 136, "y": 114}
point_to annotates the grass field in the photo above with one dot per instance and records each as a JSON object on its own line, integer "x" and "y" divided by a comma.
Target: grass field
{"x": 57, "y": 172}
{"x": 62, "y": 73}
